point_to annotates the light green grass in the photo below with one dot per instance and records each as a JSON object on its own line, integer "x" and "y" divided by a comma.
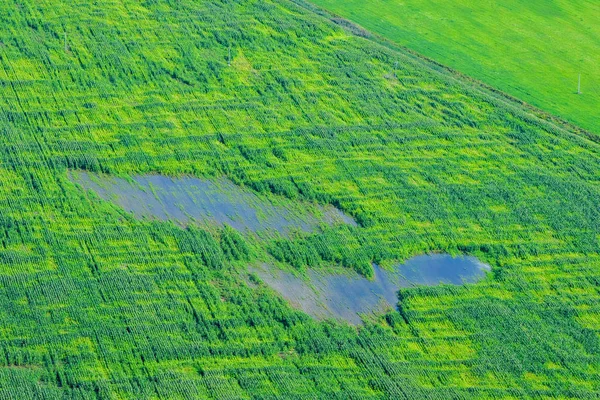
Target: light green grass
{"x": 95, "y": 304}
{"x": 533, "y": 50}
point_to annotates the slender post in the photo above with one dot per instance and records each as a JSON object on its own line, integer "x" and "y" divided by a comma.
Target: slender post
{"x": 395, "y": 68}
{"x": 579, "y": 85}
{"x": 66, "y": 46}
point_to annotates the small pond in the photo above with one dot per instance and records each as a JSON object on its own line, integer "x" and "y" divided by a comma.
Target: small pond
{"x": 348, "y": 296}
{"x": 219, "y": 201}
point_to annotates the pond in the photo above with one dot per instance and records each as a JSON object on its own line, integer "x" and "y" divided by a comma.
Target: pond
{"x": 349, "y": 296}
{"x": 220, "y": 201}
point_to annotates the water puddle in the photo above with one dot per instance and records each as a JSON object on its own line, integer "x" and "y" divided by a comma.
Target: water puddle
{"x": 348, "y": 296}
{"x": 219, "y": 201}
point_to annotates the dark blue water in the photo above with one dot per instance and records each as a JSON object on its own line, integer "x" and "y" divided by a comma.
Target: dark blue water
{"x": 351, "y": 296}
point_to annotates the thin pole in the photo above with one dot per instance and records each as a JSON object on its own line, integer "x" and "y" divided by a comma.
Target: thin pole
{"x": 579, "y": 85}
{"x": 66, "y": 46}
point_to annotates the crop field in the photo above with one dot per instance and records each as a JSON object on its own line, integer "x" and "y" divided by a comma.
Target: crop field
{"x": 534, "y": 50}
{"x": 293, "y": 105}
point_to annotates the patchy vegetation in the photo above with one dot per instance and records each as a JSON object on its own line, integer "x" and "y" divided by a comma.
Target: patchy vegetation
{"x": 96, "y": 303}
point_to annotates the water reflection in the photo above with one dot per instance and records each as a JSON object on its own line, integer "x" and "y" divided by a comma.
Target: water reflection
{"x": 217, "y": 201}
{"x": 348, "y": 296}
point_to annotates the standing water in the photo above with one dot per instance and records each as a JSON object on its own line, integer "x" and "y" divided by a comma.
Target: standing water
{"x": 219, "y": 201}
{"x": 348, "y": 296}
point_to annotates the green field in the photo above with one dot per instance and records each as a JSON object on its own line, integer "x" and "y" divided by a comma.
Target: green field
{"x": 533, "y": 50}
{"x": 98, "y": 304}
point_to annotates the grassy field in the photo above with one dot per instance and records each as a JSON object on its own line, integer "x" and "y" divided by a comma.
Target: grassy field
{"x": 533, "y": 50}
{"x": 95, "y": 303}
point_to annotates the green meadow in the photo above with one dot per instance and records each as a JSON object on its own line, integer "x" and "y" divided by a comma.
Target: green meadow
{"x": 293, "y": 105}
{"x": 533, "y": 50}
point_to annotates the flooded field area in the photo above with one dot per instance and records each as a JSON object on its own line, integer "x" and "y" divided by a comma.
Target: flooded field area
{"x": 348, "y": 296}
{"x": 220, "y": 201}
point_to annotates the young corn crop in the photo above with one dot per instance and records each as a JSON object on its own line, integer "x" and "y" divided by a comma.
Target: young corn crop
{"x": 95, "y": 303}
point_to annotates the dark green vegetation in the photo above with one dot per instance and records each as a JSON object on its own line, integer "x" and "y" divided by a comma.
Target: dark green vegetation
{"x": 97, "y": 304}
{"x": 532, "y": 49}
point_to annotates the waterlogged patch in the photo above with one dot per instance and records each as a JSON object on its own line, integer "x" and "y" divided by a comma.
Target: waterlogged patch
{"x": 349, "y": 296}
{"x": 188, "y": 199}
